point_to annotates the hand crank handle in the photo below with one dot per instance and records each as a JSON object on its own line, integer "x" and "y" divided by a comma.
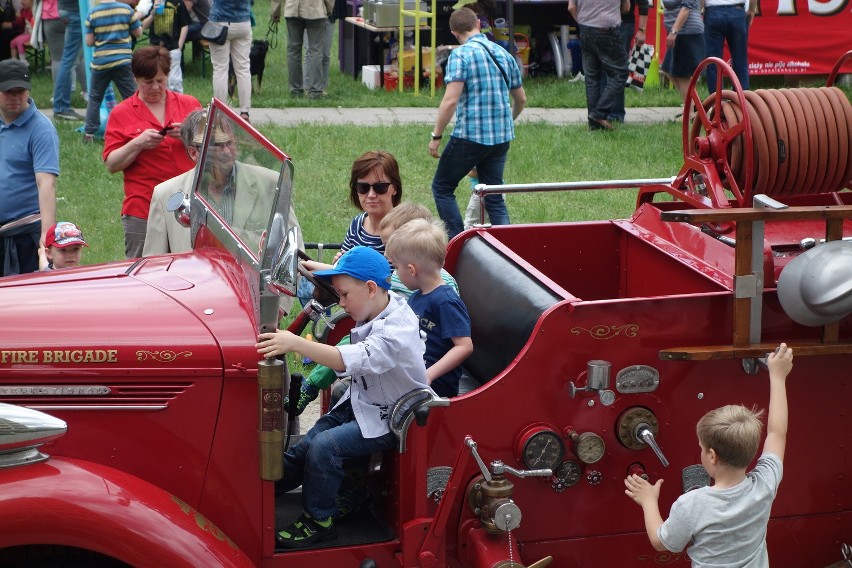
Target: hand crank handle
{"x": 644, "y": 434}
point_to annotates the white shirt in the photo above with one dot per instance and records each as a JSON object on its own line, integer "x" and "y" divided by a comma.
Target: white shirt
{"x": 385, "y": 360}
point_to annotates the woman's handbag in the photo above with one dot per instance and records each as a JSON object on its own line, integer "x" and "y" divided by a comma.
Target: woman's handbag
{"x": 217, "y": 33}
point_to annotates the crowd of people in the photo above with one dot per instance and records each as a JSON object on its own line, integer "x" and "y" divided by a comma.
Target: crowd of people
{"x": 145, "y": 142}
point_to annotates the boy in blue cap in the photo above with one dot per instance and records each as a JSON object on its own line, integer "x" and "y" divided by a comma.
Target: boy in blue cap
{"x": 385, "y": 360}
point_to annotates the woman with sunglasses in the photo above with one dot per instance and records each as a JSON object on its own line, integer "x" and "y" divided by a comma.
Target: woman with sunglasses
{"x": 375, "y": 188}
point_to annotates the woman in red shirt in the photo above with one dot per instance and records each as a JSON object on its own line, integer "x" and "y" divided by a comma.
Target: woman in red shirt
{"x": 142, "y": 139}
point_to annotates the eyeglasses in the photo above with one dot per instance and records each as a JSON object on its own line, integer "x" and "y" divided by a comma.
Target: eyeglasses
{"x": 380, "y": 187}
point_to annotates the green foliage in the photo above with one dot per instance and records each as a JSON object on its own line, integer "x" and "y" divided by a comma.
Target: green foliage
{"x": 322, "y": 157}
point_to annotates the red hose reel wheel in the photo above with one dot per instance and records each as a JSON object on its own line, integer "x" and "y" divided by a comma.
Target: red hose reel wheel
{"x": 709, "y": 137}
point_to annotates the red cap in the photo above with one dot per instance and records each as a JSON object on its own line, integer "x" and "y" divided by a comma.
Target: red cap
{"x": 64, "y": 234}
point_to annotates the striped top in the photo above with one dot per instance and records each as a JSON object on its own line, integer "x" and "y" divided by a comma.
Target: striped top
{"x": 358, "y": 235}
{"x": 111, "y": 24}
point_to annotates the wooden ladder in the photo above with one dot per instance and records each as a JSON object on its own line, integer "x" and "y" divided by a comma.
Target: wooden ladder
{"x": 748, "y": 284}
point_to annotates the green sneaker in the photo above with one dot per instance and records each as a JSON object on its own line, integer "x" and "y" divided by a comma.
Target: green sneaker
{"x": 306, "y": 531}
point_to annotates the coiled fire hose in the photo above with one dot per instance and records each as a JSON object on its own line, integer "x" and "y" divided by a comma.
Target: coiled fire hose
{"x": 802, "y": 139}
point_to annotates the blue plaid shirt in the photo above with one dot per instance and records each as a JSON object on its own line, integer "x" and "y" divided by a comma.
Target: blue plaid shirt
{"x": 484, "y": 111}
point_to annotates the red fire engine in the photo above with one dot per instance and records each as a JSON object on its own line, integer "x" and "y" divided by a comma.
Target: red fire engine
{"x": 140, "y": 429}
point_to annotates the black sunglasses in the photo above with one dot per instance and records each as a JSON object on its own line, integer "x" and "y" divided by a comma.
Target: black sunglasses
{"x": 380, "y": 187}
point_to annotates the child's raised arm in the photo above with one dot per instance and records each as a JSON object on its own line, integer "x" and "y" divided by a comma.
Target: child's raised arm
{"x": 780, "y": 364}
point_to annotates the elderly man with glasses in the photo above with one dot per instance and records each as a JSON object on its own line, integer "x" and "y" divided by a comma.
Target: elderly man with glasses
{"x": 233, "y": 189}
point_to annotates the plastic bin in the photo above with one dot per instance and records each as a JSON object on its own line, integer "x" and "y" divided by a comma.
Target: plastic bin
{"x": 392, "y": 82}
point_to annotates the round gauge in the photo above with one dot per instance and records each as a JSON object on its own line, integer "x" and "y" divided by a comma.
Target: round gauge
{"x": 569, "y": 472}
{"x": 540, "y": 447}
{"x": 589, "y": 447}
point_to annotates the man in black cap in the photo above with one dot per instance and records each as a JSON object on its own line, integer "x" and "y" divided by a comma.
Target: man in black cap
{"x": 29, "y": 164}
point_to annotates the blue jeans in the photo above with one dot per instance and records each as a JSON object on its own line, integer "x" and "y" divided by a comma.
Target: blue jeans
{"x": 726, "y": 23}
{"x": 459, "y": 157}
{"x": 73, "y": 44}
{"x": 603, "y": 54}
{"x": 316, "y": 462}
{"x": 100, "y": 79}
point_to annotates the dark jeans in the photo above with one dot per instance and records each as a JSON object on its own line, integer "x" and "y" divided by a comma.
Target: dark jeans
{"x": 19, "y": 253}
{"x": 603, "y": 54}
{"x": 617, "y": 112}
{"x": 316, "y": 462}
{"x": 459, "y": 157}
{"x": 124, "y": 81}
{"x": 721, "y": 24}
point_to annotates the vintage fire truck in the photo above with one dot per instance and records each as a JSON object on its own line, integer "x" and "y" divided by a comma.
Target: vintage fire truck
{"x": 139, "y": 428}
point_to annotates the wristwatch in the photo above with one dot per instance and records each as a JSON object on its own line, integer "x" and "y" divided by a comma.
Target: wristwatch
{"x": 436, "y": 136}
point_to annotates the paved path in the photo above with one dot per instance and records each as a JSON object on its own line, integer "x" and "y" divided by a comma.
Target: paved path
{"x": 406, "y": 115}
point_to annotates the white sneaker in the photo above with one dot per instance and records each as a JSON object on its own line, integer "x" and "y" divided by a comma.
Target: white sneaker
{"x": 579, "y": 77}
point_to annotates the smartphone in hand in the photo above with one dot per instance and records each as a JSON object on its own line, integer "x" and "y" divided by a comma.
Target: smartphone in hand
{"x": 165, "y": 129}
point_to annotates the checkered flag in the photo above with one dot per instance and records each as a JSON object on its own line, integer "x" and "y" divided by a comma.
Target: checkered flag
{"x": 638, "y": 64}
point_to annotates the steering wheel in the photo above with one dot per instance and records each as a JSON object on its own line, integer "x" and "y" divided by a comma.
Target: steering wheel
{"x": 324, "y": 292}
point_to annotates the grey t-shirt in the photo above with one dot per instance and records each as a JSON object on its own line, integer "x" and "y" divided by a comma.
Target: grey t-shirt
{"x": 727, "y": 527}
{"x": 599, "y": 13}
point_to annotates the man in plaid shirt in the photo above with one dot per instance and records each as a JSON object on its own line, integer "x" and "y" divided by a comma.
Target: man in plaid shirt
{"x": 481, "y": 77}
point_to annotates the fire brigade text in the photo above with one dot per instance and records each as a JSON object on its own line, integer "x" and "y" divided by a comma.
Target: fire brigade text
{"x": 66, "y": 356}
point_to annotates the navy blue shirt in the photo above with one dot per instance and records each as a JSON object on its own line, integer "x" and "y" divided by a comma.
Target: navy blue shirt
{"x": 442, "y": 316}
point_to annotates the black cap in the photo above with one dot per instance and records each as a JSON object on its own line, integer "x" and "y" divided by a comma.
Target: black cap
{"x": 14, "y": 74}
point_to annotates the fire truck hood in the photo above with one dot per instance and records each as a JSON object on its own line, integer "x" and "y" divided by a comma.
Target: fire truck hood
{"x": 181, "y": 310}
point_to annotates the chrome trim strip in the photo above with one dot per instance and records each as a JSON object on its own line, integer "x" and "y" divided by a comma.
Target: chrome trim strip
{"x": 54, "y": 390}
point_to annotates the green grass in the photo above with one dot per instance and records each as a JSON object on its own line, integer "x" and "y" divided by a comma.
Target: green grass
{"x": 91, "y": 196}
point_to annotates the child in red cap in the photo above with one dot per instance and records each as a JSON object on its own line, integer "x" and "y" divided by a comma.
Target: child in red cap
{"x": 63, "y": 246}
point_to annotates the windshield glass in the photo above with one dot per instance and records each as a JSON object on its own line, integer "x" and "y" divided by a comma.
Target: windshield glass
{"x": 237, "y": 179}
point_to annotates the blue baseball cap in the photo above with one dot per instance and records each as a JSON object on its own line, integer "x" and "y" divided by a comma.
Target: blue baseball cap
{"x": 362, "y": 263}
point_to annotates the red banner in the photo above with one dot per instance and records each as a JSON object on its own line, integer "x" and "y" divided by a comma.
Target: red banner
{"x": 797, "y": 37}
{"x": 791, "y": 37}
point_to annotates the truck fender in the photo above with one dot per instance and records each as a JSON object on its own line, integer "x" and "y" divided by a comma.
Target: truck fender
{"x": 68, "y": 502}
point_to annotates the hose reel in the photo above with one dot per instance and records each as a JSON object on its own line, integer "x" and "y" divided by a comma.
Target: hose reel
{"x": 780, "y": 142}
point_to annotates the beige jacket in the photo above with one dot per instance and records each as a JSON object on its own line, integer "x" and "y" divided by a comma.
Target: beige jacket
{"x": 303, "y": 9}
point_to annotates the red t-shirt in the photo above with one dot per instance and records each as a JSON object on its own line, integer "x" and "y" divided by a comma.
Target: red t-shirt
{"x": 151, "y": 167}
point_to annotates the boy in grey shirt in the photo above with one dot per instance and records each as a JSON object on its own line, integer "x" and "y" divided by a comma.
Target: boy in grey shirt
{"x": 726, "y": 522}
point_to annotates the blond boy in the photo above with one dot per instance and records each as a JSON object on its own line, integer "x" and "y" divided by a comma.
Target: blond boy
{"x": 397, "y": 217}
{"x": 726, "y": 522}
{"x": 418, "y": 249}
